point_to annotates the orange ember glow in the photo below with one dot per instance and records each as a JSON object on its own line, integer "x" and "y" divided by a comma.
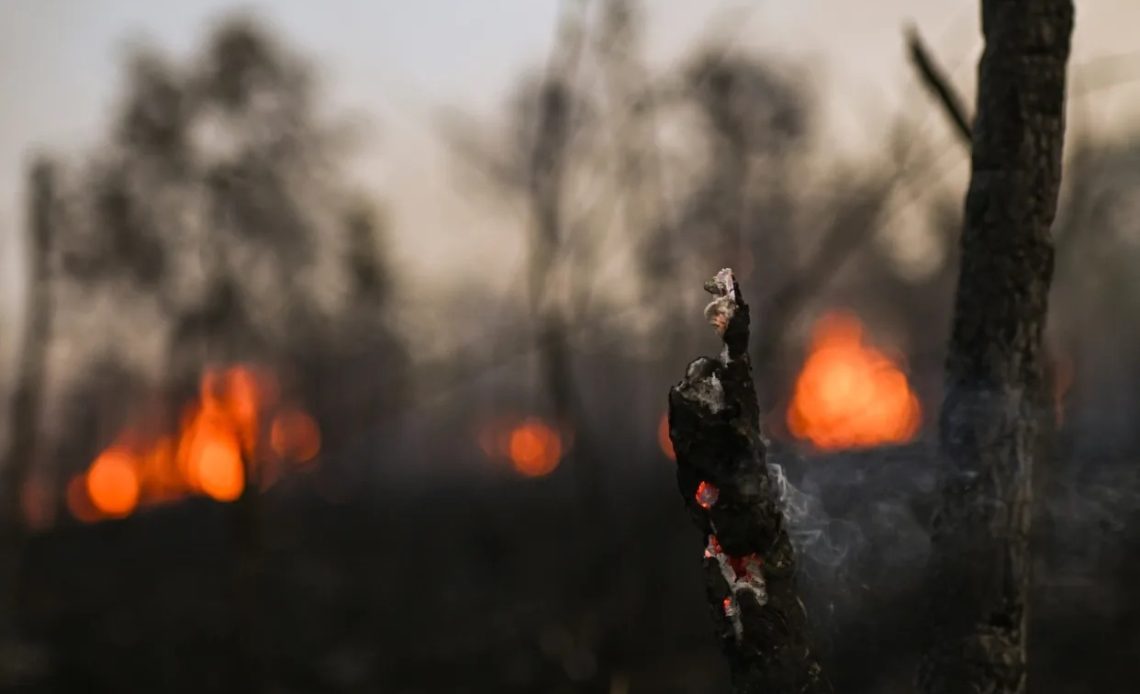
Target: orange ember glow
{"x": 850, "y": 395}
{"x": 535, "y": 449}
{"x": 663, "y": 439}
{"x": 220, "y": 443}
{"x": 707, "y": 495}
{"x": 113, "y": 483}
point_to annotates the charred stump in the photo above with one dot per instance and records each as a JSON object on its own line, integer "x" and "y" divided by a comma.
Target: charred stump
{"x": 722, "y": 472}
{"x": 991, "y": 416}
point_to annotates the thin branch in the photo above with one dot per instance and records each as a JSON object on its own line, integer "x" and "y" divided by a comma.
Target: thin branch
{"x": 938, "y": 84}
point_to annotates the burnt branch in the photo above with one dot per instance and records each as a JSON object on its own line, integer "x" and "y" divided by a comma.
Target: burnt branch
{"x": 722, "y": 472}
{"x": 938, "y": 84}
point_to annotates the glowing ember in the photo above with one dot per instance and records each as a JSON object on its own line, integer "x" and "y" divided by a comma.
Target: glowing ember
{"x": 707, "y": 495}
{"x": 728, "y": 608}
{"x": 850, "y": 395}
{"x": 113, "y": 483}
{"x": 663, "y": 439}
{"x": 535, "y": 449}
{"x": 746, "y": 566}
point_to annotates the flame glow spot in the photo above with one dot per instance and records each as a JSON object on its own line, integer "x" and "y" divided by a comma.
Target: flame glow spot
{"x": 218, "y": 468}
{"x": 535, "y": 448}
{"x": 113, "y": 483}
{"x": 850, "y": 395}
{"x": 219, "y": 446}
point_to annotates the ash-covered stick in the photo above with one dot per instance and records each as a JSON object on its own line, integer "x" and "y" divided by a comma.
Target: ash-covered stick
{"x": 714, "y": 422}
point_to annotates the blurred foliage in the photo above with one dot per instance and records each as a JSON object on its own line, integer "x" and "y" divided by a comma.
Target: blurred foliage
{"x": 218, "y": 216}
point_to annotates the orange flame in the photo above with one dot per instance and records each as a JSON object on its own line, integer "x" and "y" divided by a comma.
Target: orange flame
{"x": 535, "y": 448}
{"x": 113, "y": 483}
{"x": 850, "y": 395}
{"x": 532, "y": 447}
{"x": 219, "y": 444}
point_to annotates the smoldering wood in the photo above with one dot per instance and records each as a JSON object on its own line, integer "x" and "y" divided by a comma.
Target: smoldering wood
{"x": 990, "y": 428}
{"x": 714, "y": 424}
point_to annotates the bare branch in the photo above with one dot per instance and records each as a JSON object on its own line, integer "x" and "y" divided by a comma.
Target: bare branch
{"x": 939, "y": 85}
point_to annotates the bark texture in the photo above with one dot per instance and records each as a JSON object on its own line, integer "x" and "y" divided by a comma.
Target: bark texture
{"x": 990, "y": 421}
{"x": 724, "y": 479}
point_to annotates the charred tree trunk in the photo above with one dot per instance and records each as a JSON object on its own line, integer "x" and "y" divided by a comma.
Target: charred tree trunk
{"x": 994, "y": 375}
{"x": 722, "y": 472}
{"x": 26, "y": 399}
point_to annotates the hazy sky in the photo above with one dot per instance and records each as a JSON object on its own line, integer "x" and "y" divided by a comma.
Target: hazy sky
{"x": 396, "y": 63}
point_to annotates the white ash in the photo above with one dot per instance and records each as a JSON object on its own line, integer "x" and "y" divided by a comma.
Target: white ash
{"x": 708, "y": 391}
{"x": 751, "y": 582}
{"x": 732, "y": 611}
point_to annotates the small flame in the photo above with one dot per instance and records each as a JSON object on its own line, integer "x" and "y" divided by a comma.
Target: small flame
{"x": 535, "y": 448}
{"x": 531, "y": 446}
{"x": 219, "y": 444}
{"x": 850, "y": 395}
{"x": 113, "y": 483}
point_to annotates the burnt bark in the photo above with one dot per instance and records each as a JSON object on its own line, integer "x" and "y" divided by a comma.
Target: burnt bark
{"x": 990, "y": 420}
{"x": 735, "y": 500}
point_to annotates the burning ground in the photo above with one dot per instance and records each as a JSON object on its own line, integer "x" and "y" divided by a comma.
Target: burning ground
{"x": 496, "y": 581}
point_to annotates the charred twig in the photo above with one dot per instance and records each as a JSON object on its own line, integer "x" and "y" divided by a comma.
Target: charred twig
{"x": 938, "y": 85}
{"x": 714, "y": 423}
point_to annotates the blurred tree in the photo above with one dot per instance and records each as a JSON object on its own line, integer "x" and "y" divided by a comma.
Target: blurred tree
{"x": 24, "y": 410}
{"x": 219, "y": 203}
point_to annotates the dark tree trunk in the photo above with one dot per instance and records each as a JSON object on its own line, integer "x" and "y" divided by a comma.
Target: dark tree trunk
{"x": 23, "y": 424}
{"x": 735, "y": 500}
{"x": 990, "y": 425}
